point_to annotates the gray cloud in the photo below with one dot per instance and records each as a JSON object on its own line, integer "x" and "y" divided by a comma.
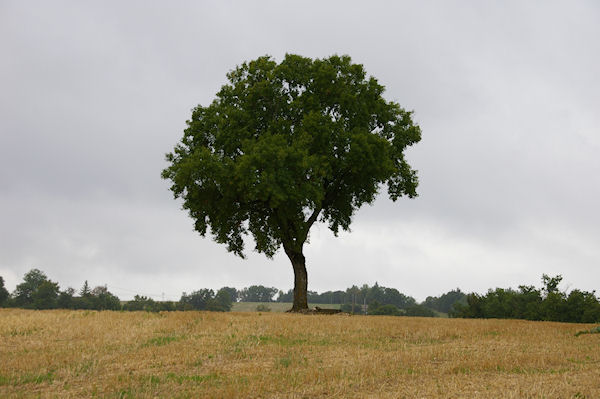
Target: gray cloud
{"x": 93, "y": 95}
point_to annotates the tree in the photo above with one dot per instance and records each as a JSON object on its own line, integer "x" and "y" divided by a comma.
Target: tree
{"x": 85, "y": 290}
{"x": 419, "y": 311}
{"x": 257, "y": 293}
{"x": 198, "y": 300}
{"x": 286, "y": 145}
{"x": 285, "y": 296}
{"x": 24, "y": 292}
{"x": 221, "y": 302}
{"x": 233, "y": 293}
{"x": 65, "y": 299}
{"x": 103, "y": 299}
{"x": 551, "y": 283}
{"x": 446, "y": 301}
{"x": 3, "y": 292}
{"x": 141, "y": 303}
{"x": 45, "y": 296}
{"x": 376, "y": 309}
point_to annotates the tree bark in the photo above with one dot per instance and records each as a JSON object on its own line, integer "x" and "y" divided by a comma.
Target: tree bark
{"x": 300, "y": 278}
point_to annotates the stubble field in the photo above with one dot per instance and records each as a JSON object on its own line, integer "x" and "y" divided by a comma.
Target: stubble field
{"x": 75, "y": 354}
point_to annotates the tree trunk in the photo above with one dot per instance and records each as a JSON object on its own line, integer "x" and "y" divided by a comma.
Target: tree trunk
{"x": 300, "y": 279}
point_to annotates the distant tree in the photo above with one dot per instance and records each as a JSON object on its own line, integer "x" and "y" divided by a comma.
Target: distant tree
{"x": 530, "y": 303}
{"x": 377, "y": 309}
{"x": 551, "y": 283}
{"x": 337, "y": 297}
{"x": 375, "y": 293}
{"x": 258, "y": 293}
{"x": 24, "y": 292}
{"x": 419, "y": 311}
{"x": 65, "y": 299}
{"x": 446, "y": 301}
{"x": 221, "y": 302}
{"x": 102, "y": 299}
{"x": 527, "y": 302}
{"x": 285, "y": 296}
{"x": 141, "y": 302}
{"x": 473, "y": 308}
{"x": 85, "y": 290}
{"x": 198, "y": 300}
{"x": 382, "y": 295}
{"x": 286, "y": 145}
{"x": 233, "y": 293}
{"x": 393, "y": 297}
{"x": 45, "y": 295}
{"x": 353, "y": 294}
{"x": 3, "y": 293}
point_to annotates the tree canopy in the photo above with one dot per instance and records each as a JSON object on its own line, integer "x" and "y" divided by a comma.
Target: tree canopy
{"x": 285, "y": 145}
{"x": 3, "y": 292}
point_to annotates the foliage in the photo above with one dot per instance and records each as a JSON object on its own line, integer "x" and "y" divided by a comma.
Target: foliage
{"x": 44, "y": 296}
{"x": 36, "y": 291}
{"x": 3, "y": 293}
{"x": 206, "y": 299}
{"x": 65, "y": 299}
{"x": 375, "y": 308}
{"x": 197, "y": 300}
{"x": 85, "y": 290}
{"x": 233, "y": 293}
{"x": 530, "y": 303}
{"x": 446, "y": 301}
{"x": 24, "y": 293}
{"x": 257, "y": 293}
{"x": 352, "y": 308}
{"x": 284, "y": 145}
{"x": 357, "y": 296}
{"x": 144, "y": 303}
{"x": 221, "y": 302}
{"x": 419, "y": 311}
{"x": 331, "y": 297}
{"x": 97, "y": 299}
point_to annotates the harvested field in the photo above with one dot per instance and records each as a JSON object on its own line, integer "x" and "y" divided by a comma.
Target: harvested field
{"x": 75, "y": 354}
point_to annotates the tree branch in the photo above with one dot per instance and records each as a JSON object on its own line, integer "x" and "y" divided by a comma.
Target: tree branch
{"x": 309, "y": 222}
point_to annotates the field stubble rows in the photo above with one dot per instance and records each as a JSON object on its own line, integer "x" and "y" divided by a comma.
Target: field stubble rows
{"x": 73, "y": 354}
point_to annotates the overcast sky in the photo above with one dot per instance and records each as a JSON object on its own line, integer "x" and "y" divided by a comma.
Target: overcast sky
{"x": 507, "y": 93}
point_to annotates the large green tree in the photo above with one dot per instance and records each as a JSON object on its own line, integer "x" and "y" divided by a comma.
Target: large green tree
{"x": 286, "y": 145}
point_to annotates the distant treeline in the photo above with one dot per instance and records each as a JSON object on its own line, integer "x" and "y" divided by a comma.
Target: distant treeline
{"x": 530, "y": 303}
{"x": 379, "y": 300}
{"x": 38, "y": 292}
{"x": 548, "y": 303}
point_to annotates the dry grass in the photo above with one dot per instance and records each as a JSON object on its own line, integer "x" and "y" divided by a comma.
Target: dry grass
{"x": 75, "y": 354}
{"x": 275, "y": 306}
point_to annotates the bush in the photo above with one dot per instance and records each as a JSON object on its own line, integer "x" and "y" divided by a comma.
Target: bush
{"x": 263, "y": 308}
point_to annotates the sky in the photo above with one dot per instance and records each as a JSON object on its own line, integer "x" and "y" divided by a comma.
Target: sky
{"x": 507, "y": 94}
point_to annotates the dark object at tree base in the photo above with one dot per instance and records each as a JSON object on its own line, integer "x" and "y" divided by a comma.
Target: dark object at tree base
{"x": 316, "y": 310}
